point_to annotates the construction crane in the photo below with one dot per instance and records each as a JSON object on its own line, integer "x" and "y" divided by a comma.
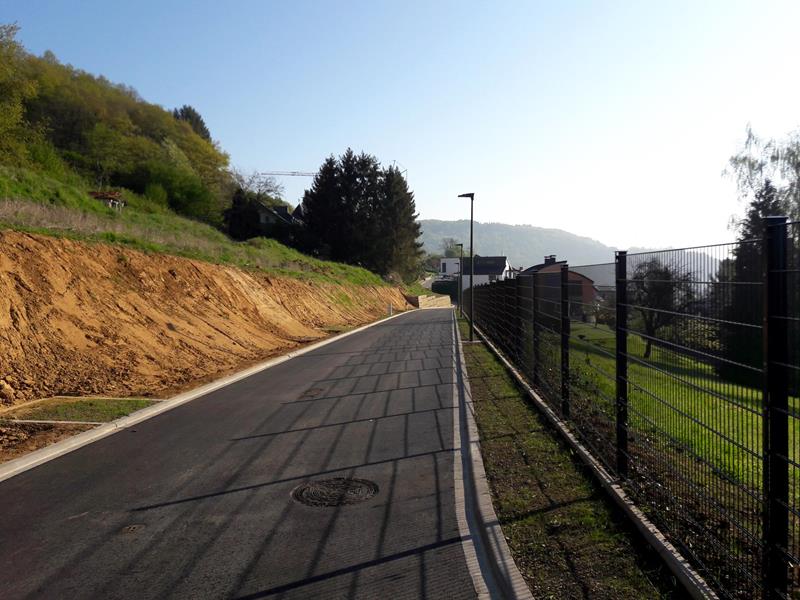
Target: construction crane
{"x": 312, "y": 174}
{"x": 288, "y": 173}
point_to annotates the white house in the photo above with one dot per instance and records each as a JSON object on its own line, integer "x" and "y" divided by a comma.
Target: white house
{"x": 487, "y": 268}
{"x": 448, "y": 267}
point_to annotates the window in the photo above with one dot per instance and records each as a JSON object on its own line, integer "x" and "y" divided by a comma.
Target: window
{"x": 444, "y": 267}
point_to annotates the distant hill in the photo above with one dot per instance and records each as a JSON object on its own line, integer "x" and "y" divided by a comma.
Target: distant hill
{"x": 525, "y": 245}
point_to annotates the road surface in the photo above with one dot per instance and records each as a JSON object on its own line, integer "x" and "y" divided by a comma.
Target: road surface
{"x": 197, "y": 502}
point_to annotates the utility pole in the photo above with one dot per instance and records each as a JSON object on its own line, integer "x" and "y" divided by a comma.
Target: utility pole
{"x": 460, "y": 280}
{"x": 471, "y": 197}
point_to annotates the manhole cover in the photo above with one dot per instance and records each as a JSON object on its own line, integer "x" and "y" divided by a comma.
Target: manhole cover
{"x": 338, "y": 491}
{"x": 312, "y": 392}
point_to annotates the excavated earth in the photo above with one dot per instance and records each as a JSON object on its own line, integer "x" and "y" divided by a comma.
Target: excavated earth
{"x": 79, "y": 318}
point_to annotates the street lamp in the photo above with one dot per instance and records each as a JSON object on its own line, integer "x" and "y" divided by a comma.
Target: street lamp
{"x": 471, "y": 197}
{"x": 460, "y": 280}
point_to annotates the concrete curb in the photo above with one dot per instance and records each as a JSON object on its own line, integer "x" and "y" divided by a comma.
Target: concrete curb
{"x": 496, "y": 569}
{"x": 48, "y": 453}
{"x": 690, "y": 579}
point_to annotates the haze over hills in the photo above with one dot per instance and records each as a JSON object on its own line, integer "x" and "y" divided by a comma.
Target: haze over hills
{"x": 525, "y": 245}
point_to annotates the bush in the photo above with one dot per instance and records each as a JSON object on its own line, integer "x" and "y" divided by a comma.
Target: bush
{"x": 176, "y": 187}
{"x": 156, "y": 193}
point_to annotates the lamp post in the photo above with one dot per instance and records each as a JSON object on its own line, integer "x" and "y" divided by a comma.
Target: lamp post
{"x": 460, "y": 280}
{"x": 471, "y": 197}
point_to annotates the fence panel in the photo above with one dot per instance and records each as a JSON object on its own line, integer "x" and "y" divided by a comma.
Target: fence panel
{"x": 704, "y": 442}
{"x": 548, "y": 335}
{"x": 696, "y": 405}
{"x": 592, "y": 347}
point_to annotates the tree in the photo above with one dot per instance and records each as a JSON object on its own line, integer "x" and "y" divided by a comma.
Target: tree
{"x": 15, "y": 89}
{"x": 431, "y": 262}
{"x": 338, "y": 207}
{"x": 397, "y": 228}
{"x": 740, "y": 301}
{"x": 762, "y": 160}
{"x": 263, "y": 186}
{"x": 659, "y": 293}
{"x": 359, "y": 213}
{"x": 241, "y": 218}
{"x": 190, "y": 115}
{"x": 450, "y": 247}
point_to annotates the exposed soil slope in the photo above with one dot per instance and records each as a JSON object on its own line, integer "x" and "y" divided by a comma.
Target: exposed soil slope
{"x": 78, "y": 318}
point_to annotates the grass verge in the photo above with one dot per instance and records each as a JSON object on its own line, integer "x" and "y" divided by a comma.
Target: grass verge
{"x": 566, "y": 538}
{"x": 95, "y": 410}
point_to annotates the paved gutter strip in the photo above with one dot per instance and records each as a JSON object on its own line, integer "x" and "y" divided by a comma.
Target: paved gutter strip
{"x": 497, "y": 570}
{"x": 691, "y": 580}
{"x": 48, "y": 453}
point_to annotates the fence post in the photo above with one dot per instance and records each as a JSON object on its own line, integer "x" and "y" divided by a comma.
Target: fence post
{"x": 622, "y": 362}
{"x": 535, "y": 311}
{"x": 517, "y": 322}
{"x": 565, "y": 340}
{"x": 776, "y": 409}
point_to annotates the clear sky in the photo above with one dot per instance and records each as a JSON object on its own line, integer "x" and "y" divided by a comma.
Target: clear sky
{"x": 612, "y": 120}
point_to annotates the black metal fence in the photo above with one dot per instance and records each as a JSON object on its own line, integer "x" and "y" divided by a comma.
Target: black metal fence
{"x": 680, "y": 372}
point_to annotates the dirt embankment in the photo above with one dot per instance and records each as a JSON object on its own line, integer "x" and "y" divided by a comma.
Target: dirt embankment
{"x": 79, "y": 318}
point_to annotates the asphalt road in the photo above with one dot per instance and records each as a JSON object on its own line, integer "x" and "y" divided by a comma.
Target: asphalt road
{"x": 197, "y": 502}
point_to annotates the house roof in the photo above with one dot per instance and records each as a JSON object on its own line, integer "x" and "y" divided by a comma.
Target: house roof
{"x": 550, "y": 262}
{"x": 280, "y": 212}
{"x": 486, "y": 265}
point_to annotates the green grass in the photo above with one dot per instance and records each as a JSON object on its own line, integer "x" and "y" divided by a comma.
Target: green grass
{"x": 99, "y": 410}
{"x": 693, "y": 435}
{"x": 38, "y": 204}
{"x": 37, "y": 187}
{"x": 692, "y": 394}
{"x": 565, "y": 537}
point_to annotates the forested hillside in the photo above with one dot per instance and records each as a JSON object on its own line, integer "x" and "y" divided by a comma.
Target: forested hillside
{"x": 82, "y": 129}
{"x": 67, "y": 137}
{"x": 525, "y": 245}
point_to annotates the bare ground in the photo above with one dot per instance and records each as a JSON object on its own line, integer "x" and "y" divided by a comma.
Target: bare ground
{"x": 17, "y": 439}
{"x": 96, "y": 319}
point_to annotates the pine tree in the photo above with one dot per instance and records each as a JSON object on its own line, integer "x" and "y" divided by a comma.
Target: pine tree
{"x": 192, "y": 117}
{"x": 742, "y": 303}
{"x": 399, "y": 229}
{"x": 241, "y": 219}
{"x": 358, "y": 213}
{"x": 321, "y": 211}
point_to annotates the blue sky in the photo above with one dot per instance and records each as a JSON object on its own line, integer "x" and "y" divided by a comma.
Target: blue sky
{"x": 612, "y": 120}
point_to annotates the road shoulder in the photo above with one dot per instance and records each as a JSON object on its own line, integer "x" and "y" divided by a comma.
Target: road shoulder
{"x": 490, "y": 562}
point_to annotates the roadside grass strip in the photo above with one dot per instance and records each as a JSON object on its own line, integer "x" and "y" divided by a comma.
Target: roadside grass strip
{"x": 78, "y": 410}
{"x": 567, "y": 539}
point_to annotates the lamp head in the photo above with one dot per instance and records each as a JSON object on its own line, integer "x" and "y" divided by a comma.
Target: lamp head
{"x": 471, "y": 196}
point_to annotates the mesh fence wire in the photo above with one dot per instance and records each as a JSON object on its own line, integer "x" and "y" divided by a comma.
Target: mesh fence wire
{"x": 694, "y": 401}
{"x": 695, "y": 454}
